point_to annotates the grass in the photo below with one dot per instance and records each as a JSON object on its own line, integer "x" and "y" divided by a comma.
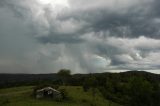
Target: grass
{"x": 21, "y": 96}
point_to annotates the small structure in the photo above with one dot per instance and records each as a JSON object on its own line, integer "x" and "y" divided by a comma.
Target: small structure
{"x": 48, "y": 92}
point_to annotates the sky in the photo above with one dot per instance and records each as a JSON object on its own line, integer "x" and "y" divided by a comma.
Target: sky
{"x": 85, "y": 36}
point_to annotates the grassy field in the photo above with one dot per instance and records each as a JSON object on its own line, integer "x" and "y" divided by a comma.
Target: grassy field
{"x": 21, "y": 96}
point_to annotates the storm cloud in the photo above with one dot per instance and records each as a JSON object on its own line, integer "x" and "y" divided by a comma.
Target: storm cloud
{"x": 43, "y": 36}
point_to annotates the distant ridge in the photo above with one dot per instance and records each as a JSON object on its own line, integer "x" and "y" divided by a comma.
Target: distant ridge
{"x": 7, "y": 80}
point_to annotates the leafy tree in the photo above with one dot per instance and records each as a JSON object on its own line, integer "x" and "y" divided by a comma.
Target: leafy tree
{"x": 91, "y": 83}
{"x": 156, "y": 94}
{"x": 140, "y": 92}
{"x": 64, "y": 74}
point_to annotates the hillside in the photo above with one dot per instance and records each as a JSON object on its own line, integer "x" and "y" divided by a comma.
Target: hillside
{"x": 22, "y": 96}
{"x": 10, "y": 80}
{"x": 121, "y": 88}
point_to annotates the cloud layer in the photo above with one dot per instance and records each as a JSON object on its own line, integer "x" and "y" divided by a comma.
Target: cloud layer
{"x": 43, "y": 36}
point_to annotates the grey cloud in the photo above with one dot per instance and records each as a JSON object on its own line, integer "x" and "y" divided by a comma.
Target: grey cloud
{"x": 137, "y": 17}
{"x": 60, "y": 39}
{"x": 86, "y": 36}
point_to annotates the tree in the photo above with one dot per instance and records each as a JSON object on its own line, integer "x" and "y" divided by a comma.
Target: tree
{"x": 156, "y": 94}
{"x": 64, "y": 74}
{"x": 91, "y": 83}
{"x": 140, "y": 92}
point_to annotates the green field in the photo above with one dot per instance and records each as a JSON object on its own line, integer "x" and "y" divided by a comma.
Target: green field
{"x": 22, "y": 96}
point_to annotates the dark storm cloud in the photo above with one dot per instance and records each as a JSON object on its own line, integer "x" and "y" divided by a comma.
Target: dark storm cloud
{"x": 133, "y": 21}
{"x": 139, "y": 19}
{"x": 60, "y": 39}
{"x": 84, "y": 36}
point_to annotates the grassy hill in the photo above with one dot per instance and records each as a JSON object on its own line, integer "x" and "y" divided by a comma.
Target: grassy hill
{"x": 22, "y": 96}
{"x": 122, "y": 88}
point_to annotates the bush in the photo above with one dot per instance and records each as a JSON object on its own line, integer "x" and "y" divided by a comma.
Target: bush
{"x": 4, "y": 100}
{"x": 84, "y": 101}
{"x": 64, "y": 94}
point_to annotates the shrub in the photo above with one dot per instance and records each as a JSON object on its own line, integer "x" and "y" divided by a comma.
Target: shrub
{"x": 4, "y": 100}
{"x": 84, "y": 101}
{"x": 64, "y": 94}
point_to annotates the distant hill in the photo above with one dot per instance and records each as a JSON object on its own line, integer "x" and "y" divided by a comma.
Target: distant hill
{"x": 8, "y": 80}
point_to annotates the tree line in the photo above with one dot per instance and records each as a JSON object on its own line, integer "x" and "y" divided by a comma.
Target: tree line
{"x": 128, "y": 89}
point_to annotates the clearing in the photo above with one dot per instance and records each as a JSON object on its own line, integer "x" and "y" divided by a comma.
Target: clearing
{"x": 21, "y": 96}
